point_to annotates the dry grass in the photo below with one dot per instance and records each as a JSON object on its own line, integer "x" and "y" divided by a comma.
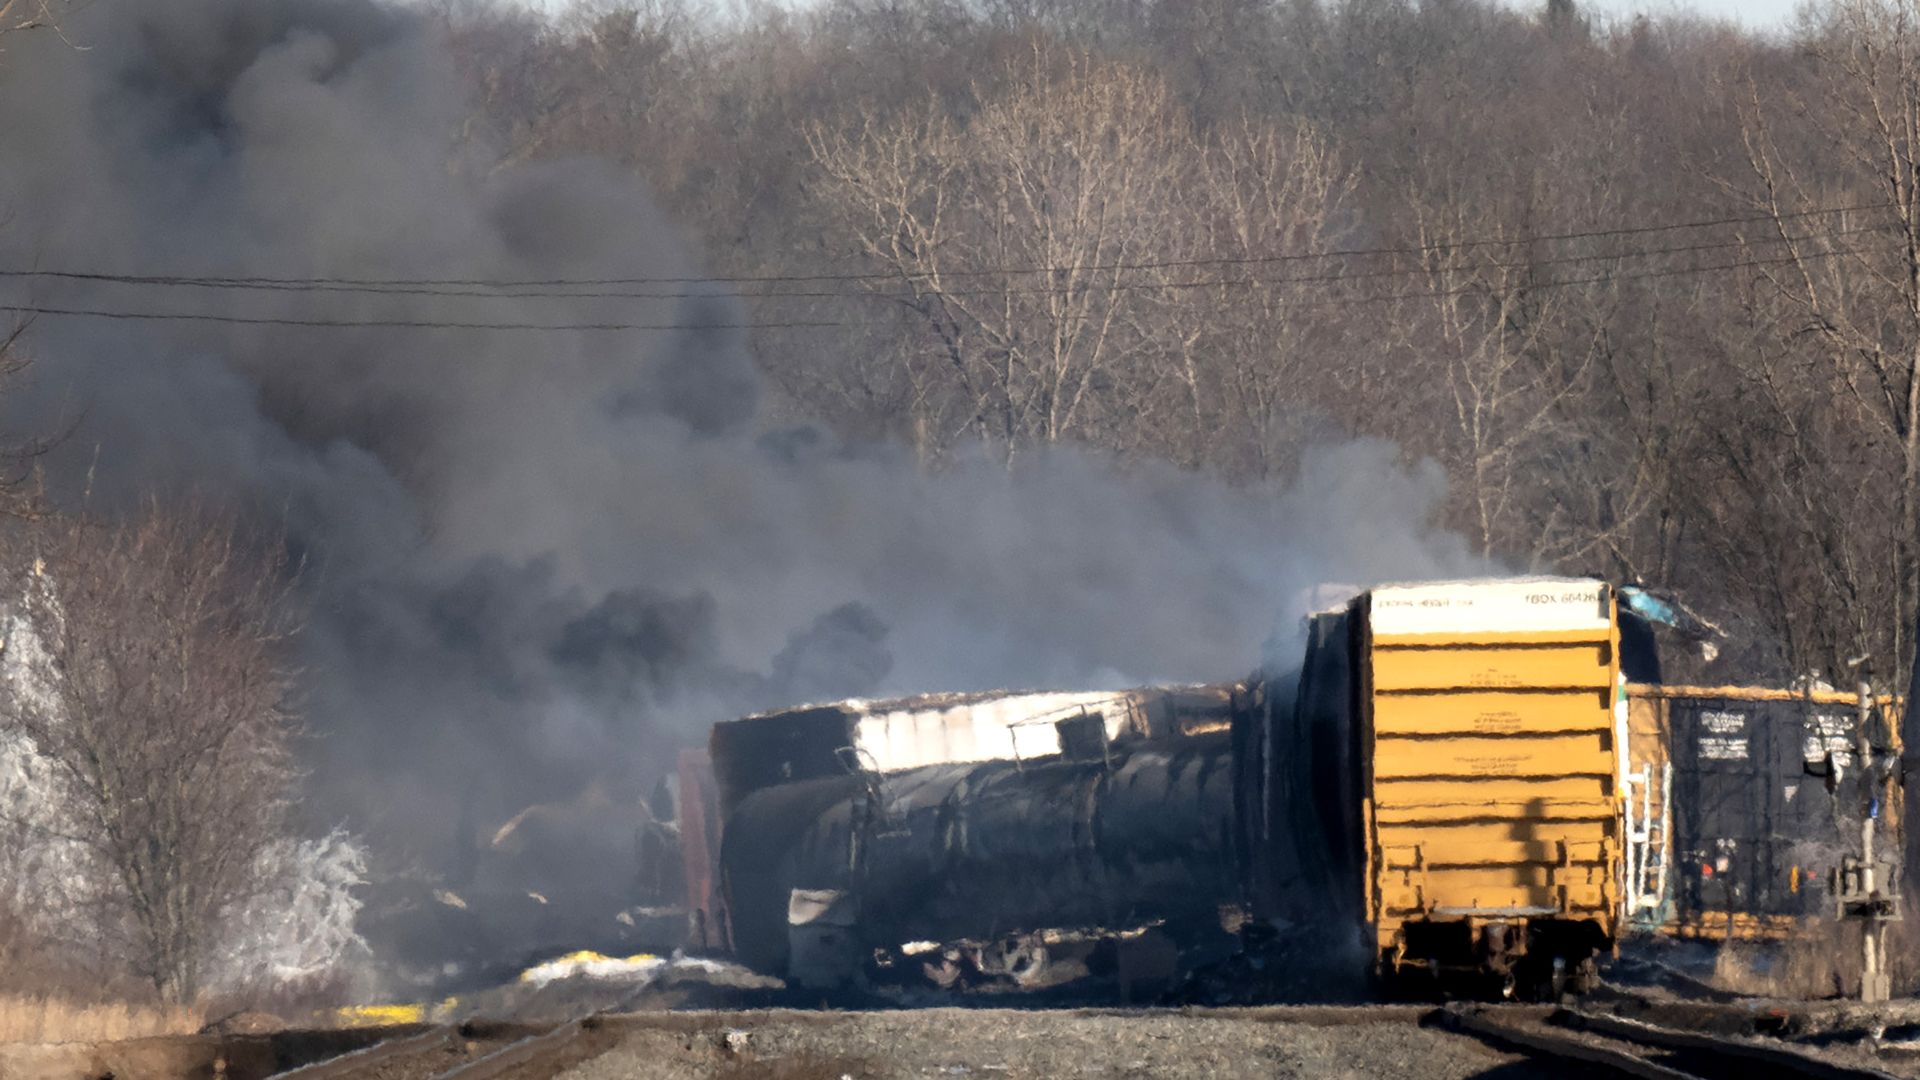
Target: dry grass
{"x": 56, "y": 1020}
{"x": 1820, "y": 960}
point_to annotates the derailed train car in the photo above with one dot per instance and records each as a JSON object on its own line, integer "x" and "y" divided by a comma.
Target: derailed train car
{"x": 966, "y": 838}
{"x": 1437, "y": 797}
{"x": 1438, "y": 791}
{"x": 1748, "y": 809}
{"x": 1470, "y": 817}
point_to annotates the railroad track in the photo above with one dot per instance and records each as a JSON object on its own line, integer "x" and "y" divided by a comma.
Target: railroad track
{"x": 386, "y": 1054}
{"x": 1561, "y": 1038}
{"x": 466, "y": 1052}
{"x": 1621, "y": 1047}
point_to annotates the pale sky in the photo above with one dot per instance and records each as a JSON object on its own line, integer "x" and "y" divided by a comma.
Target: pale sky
{"x": 1756, "y": 14}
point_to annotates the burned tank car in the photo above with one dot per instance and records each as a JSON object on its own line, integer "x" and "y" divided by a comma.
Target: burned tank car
{"x": 1007, "y": 839}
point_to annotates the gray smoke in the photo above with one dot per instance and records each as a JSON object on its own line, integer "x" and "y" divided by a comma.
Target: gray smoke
{"x": 539, "y": 562}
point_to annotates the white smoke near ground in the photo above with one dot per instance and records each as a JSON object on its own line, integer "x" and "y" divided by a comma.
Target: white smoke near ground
{"x": 299, "y": 929}
{"x": 52, "y": 877}
{"x": 302, "y": 929}
{"x": 540, "y": 561}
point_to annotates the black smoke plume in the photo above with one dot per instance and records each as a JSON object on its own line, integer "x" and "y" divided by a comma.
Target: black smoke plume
{"x": 540, "y": 561}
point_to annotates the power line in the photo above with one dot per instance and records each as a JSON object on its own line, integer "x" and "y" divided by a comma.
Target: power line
{"x": 455, "y": 292}
{"x": 403, "y": 324}
{"x": 430, "y": 324}
{"x": 747, "y": 279}
{"x": 1602, "y": 279}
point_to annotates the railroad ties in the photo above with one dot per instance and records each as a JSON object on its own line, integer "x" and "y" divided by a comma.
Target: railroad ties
{"x": 1623, "y": 1047}
{"x": 467, "y": 1052}
{"x": 366, "y": 1061}
{"x": 536, "y": 1056}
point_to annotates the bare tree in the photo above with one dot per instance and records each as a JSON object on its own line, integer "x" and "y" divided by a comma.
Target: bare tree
{"x": 18, "y": 16}
{"x": 1508, "y": 356}
{"x": 147, "y": 675}
{"x": 1260, "y": 359}
{"x": 18, "y": 497}
{"x": 1008, "y": 238}
{"x": 1837, "y": 486}
{"x": 1078, "y": 260}
{"x": 1234, "y": 147}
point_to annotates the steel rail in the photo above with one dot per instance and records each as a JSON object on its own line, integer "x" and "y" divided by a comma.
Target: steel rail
{"x": 527, "y": 1051}
{"x": 1527, "y": 1030}
{"x": 373, "y": 1056}
{"x": 1775, "y": 1057}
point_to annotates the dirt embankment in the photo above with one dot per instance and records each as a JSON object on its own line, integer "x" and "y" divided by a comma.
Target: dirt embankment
{"x": 185, "y": 1057}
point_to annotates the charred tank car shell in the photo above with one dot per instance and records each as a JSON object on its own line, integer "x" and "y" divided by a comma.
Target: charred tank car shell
{"x": 1142, "y": 837}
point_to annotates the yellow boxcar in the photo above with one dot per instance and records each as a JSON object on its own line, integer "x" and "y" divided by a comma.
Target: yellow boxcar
{"x": 1492, "y": 750}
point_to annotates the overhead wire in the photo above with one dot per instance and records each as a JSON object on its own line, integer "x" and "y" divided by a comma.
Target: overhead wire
{"x": 1602, "y": 279}
{"x": 244, "y": 281}
{"x": 458, "y": 292}
{"x": 403, "y": 324}
{"x": 434, "y": 324}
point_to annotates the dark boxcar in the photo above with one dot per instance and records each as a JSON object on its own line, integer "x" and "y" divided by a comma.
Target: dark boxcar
{"x": 1767, "y": 797}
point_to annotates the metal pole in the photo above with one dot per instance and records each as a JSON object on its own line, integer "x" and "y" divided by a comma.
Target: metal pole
{"x": 1875, "y": 986}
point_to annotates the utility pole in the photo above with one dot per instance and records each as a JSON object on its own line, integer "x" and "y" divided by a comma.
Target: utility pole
{"x": 1909, "y": 767}
{"x": 1867, "y": 890}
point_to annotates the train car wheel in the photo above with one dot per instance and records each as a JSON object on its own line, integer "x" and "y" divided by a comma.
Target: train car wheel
{"x": 944, "y": 972}
{"x": 1585, "y": 977}
{"x": 1021, "y": 960}
{"x": 1028, "y": 965}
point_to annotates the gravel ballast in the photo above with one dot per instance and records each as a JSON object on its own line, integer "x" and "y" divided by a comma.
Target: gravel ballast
{"x": 995, "y": 1044}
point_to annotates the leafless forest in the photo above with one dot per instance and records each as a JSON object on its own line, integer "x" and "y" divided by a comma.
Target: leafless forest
{"x": 1648, "y": 289}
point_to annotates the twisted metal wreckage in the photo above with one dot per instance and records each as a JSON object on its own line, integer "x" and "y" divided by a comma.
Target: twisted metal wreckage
{"x": 1482, "y": 785}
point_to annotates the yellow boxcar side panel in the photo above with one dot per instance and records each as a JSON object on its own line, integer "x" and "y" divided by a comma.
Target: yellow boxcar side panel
{"x": 1583, "y": 665}
{"x": 1491, "y": 712}
{"x": 1457, "y": 886}
{"x": 1494, "y": 843}
{"x": 1439, "y": 897}
{"x": 1579, "y": 753}
{"x": 1492, "y": 797}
